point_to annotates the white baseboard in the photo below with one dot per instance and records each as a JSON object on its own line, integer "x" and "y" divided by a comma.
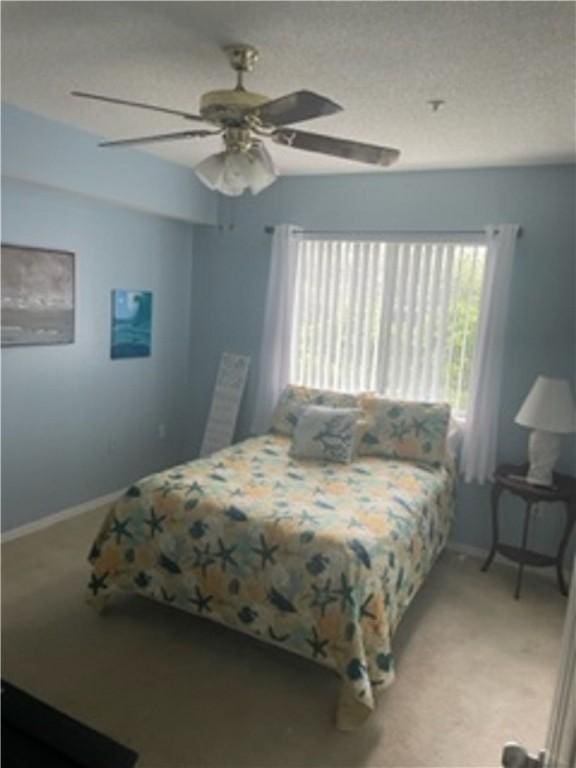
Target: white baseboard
{"x": 467, "y": 549}
{"x": 58, "y": 517}
{"x": 481, "y": 554}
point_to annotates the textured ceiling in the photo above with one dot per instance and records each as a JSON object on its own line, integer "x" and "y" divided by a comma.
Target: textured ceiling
{"x": 505, "y": 70}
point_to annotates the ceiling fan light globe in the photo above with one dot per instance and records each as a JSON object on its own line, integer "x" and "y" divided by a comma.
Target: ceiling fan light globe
{"x": 231, "y": 190}
{"x": 219, "y": 174}
{"x": 210, "y": 170}
{"x": 263, "y": 172}
{"x": 260, "y": 181}
{"x": 235, "y": 174}
{"x": 231, "y": 173}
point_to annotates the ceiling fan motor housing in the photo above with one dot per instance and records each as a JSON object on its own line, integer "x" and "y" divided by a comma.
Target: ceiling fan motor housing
{"x": 229, "y": 108}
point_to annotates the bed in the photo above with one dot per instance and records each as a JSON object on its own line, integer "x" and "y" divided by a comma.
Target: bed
{"x": 316, "y": 557}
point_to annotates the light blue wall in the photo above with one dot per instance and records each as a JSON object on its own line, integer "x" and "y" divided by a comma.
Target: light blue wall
{"x": 56, "y": 155}
{"x": 76, "y": 424}
{"x": 232, "y": 268}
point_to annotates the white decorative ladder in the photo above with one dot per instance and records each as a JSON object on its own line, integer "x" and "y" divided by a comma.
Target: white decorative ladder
{"x": 228, "y": 391}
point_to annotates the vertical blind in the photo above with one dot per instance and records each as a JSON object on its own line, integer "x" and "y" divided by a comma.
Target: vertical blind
{"x": 393, "y": 317}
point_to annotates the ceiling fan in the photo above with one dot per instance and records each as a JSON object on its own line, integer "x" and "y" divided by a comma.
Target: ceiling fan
{"x": 244, "y": 119}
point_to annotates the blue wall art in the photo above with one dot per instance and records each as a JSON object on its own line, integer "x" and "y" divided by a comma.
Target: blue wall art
{"x": 131, "y": 324}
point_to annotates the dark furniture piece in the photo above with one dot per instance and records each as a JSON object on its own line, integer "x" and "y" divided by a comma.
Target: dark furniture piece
{"x": 35, "y": 735}
{"x": 510, "y": 477}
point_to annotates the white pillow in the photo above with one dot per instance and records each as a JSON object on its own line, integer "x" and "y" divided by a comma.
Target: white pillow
{"x": 326, "y": 434}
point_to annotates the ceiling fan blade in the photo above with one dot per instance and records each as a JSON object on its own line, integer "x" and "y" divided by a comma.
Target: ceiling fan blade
{"x": 158, "y": 137}
{"x": 330, "y": 145}
{"x": 301, "y": 105}
{"x": 139, "y": 104}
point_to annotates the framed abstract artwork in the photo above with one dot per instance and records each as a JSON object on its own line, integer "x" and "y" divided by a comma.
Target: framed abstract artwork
{"x": 37, "y": 296}
{"x": 131, "y": 324}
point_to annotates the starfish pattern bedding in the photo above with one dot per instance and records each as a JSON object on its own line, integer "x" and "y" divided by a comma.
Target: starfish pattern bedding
{"x": 316, "y": 557}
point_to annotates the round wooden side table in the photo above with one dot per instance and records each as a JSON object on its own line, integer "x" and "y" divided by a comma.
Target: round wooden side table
{"x": 511, "y": 478}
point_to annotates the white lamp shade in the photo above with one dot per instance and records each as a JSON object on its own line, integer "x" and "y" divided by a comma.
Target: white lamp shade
{"x": 549, "y": 407}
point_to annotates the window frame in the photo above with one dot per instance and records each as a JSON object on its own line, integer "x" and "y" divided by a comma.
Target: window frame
{"x": 406, "y": 239}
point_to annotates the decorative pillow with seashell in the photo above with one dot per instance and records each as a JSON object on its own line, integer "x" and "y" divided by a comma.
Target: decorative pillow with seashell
{"x": 400, "y": 429}
{"x": 326, "y": 434}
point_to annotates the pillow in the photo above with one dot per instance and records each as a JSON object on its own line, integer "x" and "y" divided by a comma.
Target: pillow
{"x": 454, "y": 439}
{"x": 328, "y": 434}
{"x": 294, "y": 399}
{"x": 405, "y": 430}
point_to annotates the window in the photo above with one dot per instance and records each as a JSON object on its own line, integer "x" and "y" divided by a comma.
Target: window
{"x": 396, "y": 317}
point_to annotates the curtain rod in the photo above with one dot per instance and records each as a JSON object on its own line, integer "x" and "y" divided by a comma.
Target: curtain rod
{"x": 270, "y": 230}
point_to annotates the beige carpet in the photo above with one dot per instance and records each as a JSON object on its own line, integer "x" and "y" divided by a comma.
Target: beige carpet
{"x": 475, "y": 668}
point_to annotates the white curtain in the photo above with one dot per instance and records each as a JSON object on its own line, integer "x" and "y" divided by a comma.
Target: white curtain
{"x": 274, "y": 363}
{"x": 480, "y": 435}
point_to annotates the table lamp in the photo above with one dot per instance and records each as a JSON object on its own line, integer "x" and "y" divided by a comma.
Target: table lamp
{"x": 549, "y": 411}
